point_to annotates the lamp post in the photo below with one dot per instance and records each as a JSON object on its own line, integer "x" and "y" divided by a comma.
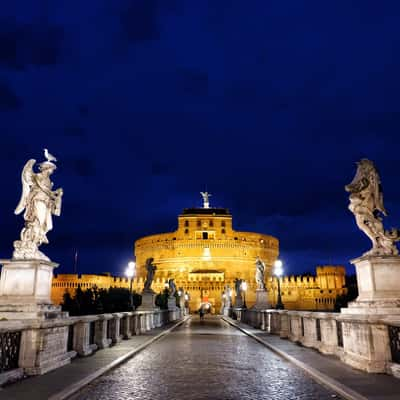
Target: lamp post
{"x": 244, "y": 288}
{"x": 130, "y": 273}
{"x": 278, "y": 272}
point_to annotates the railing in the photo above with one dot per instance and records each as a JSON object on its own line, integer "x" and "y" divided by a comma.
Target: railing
{"x": 394, "y": 338}
{"x": 77, "y": 335}
{"x": 339, "y": 334}
{"x": 9, "y": 350}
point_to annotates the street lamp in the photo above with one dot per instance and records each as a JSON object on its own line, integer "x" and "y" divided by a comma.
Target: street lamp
{"x": 278, "y": 272}
{"x": 130, "y": 273}
{"x": 244, "y": 288}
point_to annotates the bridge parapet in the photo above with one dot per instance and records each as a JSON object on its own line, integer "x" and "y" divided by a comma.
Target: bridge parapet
{"x": 370, "y": 343}
{"x": 34, "y": 347}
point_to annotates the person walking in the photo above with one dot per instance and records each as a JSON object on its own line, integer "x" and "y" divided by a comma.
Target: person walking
{"x": 201, "y": 313}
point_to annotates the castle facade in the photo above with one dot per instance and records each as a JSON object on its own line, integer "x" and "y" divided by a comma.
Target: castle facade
{"x": 204, "y": 255}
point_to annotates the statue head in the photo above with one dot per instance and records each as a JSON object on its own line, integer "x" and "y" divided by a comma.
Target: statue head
{"x": 47, "y": 167}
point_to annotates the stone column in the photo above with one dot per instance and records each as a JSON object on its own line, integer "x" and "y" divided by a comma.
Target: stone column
{"x": 44, "y": 346}
{"x": 115, "y": 328}
{"x": 284, "y": 324}
{"x": 275, "y": 322}
{"x": 82, "y": 335}
{"x": 101, "y": 337}
{"x": 125, "y": 322}
{"x": 329, "y": 334}
{"x": 366, "y": 343}
{"x": 294, "y": 326}
{"x": 307, "y": 324}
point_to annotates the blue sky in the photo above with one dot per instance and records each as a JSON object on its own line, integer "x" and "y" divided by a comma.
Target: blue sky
{"x": 146, "y": 102}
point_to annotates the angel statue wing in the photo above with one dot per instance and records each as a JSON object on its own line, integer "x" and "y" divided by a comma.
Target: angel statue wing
{"x": 27, "y": 182}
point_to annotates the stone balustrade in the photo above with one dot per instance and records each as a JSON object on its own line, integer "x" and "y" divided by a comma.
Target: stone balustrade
{"x": 367, "y": 342}
{"x": 34, "y": 347}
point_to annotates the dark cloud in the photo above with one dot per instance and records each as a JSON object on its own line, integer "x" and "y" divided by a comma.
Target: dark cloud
{"x": 9, "y": 101}
{"x": 193, "y": 83}
{"x": 29, "y": 44}
{"x": 84, "y": 167}
{"x": 75, "y": 131}
{"x": 139, "y": 21}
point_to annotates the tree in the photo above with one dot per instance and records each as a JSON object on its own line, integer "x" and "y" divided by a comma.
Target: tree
{"x": 97, "y": 301}
{"x": 343, "y": 300}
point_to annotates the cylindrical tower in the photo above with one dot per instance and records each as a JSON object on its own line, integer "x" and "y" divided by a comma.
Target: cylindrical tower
{"x": 204, "y": 254}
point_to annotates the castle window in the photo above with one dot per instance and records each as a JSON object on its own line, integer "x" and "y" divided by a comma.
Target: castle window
{"x": 198, "y": 223}
{"x": 205, "y": 235}
{"x": 236, "y": 238}
{"x": 223, "y": 231}
{"x": 186, "y": 231}
{"x": 186, "y": 223}
{"x": 211, "y": 222}
{"x": 223, "y": 223}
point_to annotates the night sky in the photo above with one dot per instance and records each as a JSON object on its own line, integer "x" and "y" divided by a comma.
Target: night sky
{"x": 267, "y": 104}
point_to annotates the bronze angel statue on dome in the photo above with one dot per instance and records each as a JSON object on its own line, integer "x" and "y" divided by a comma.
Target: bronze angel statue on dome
{"x": 366, "y": 203}
{"x": 40, "y": 203}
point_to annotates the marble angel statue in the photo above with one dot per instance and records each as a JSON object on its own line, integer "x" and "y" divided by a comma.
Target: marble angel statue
{"x": 260, "y": 273}
{"x": 39, "y": 202}
{"x": 366, "y": 203}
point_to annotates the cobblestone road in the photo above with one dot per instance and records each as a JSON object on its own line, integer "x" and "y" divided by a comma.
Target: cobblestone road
{"x": 209, "y": 360}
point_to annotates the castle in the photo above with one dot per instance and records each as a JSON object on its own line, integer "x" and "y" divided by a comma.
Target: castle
{"x": 205, "y": 254}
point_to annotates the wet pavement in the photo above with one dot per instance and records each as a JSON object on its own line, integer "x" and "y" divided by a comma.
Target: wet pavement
{"x": 206, "y": 360}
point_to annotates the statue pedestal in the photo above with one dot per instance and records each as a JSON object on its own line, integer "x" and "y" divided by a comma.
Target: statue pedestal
{"x": 238, "y": 301}
{"x": 148, "y": 301}
{"x": 25, "y": 290}
{"x": 262, "y": 302}
{"x": 378, "y": 280}
{"x": 172, "y": 303}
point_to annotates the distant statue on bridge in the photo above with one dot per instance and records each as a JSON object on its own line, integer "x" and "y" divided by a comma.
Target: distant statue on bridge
{"x": 172, "y": 288}
{"x": 260, "y": 273}
{"x": 151, "y": 270}
{"x": 238, "y": 286}
{"x": 366, "y": 203}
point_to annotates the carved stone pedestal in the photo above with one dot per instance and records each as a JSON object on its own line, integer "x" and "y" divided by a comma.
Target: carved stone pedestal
{"x": 172, "y": 303}
{"x": 378, "y": 280}
{"x": 148, "y": 301}
{"x": 25, "y": 290}
{"x": 262, "y": 302}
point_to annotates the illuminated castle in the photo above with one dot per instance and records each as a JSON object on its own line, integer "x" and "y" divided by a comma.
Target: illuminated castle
{"x": 204, "y": 254}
